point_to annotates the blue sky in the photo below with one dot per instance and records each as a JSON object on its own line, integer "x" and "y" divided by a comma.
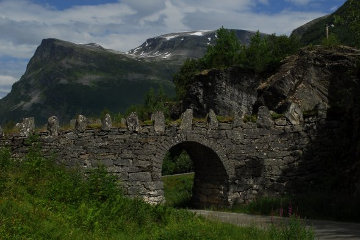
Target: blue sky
{"x": 125, "y": 24}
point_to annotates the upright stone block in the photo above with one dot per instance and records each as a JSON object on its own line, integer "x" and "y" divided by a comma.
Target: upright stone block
{"x": 294, "y": 114}
{"x": 106, "y": 123}
{"x": 211, "y": 119}
{"x": 159, "y": 121}
{"x": 186, "y": 120}
{"x": 264, "y": 118}
{"x": 81, "y": 123}
{"x": 26, "y": 127}
{"x": 238, "y": 119}
{"x": 72, "y": 123}
{"x": 132, "y": 122}
{"x": 53, "y": 126}
{"x": 322, "y": 110}
{"x": 123, "y": 122}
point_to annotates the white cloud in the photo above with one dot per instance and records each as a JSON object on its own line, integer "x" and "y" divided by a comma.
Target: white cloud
{"x": 300, "y": 2}
{"x": 7, "y": 80}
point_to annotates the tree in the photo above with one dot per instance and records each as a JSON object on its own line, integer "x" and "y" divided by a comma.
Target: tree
{"x": 183, "y": 77}
{"x": 225, "y": 52}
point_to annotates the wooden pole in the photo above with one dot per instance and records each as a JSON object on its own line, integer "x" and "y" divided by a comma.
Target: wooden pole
{"x": 327, "y": 31}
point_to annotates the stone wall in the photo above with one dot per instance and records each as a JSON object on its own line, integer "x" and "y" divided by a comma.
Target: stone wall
{"x": 234, "y": 161}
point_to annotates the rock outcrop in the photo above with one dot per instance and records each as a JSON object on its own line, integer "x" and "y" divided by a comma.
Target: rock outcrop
{"x": 318, "y": 83}
{"x": 223, "y": 91}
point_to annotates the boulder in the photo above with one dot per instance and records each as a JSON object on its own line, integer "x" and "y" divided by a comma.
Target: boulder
{"x": 53, "y": 126}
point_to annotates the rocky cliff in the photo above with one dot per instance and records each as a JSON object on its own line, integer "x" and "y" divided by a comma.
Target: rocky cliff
{"x": 315, "y": 77}
{"x": 318, "y": 82}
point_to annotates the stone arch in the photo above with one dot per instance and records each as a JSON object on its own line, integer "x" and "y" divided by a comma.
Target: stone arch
{"x": 211, "y": 181}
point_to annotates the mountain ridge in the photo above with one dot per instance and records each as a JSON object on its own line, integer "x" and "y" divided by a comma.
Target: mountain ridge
{"x": 66, "y": 79}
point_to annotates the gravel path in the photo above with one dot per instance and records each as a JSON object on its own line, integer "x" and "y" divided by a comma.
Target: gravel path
{"x": 323, "y": 229}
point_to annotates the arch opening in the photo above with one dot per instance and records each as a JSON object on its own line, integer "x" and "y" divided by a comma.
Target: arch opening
{"x": 210, "y": 180}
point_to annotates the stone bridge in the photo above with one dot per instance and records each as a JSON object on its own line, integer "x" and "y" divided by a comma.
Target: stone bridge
{"x": 234, "y": 161}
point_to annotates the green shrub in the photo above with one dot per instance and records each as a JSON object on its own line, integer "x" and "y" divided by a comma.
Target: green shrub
{"x": 177, "y": 164}
{"x": 331, "y": 42}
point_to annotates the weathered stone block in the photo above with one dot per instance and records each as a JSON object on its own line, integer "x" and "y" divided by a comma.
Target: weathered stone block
{"x": 72, "y": 123}
{"x": 26, "y": 127}
{"x": 53, "y": 126}
{"x": 294, "y": 114}
{"x": 280, "y": 121}
{"x": 186, "y": 120}
{"x": 212, "y": 121}
{"x": 132, "y": 122}
{"x": 140, "y": 176}
{"x": 264, "y": 118}
{"x": 106, "y": 123}
{"x": 159, "y": 121}
{"x": 80, "y": 123}
{"x": 238, "y": 119}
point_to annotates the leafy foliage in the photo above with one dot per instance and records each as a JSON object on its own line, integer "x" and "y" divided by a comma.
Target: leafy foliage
{"x": 177, "y": 164}
{"x": 226, "y": 52}
{"x": 153, "y": 101}
{"x": 263, "y": 54}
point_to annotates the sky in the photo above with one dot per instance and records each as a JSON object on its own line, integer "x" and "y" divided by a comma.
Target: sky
{"x": 125, "y": 24}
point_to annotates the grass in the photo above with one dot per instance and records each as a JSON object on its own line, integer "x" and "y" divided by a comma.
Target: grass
{"x": 250, "y": 118}
{"x": 178, "y": 190}
{"x": 275, "y": 115}
{"x": 319, "y": 206}
{"x": 42, "y": 200}
{"x": 225, "y": 119}
{"x": 148, "y": 123}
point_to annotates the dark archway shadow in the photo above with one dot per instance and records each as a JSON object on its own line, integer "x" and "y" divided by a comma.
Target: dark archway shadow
{"x": 328, "y": 174}
{"x": 211, "y": 184}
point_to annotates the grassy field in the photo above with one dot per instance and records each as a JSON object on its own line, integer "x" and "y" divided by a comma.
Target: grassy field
{"x": 41, "y": 200}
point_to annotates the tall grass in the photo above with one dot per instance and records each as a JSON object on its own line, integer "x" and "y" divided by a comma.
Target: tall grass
{"x": 178, "y": 190}
{"x": 42, "y": 200}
